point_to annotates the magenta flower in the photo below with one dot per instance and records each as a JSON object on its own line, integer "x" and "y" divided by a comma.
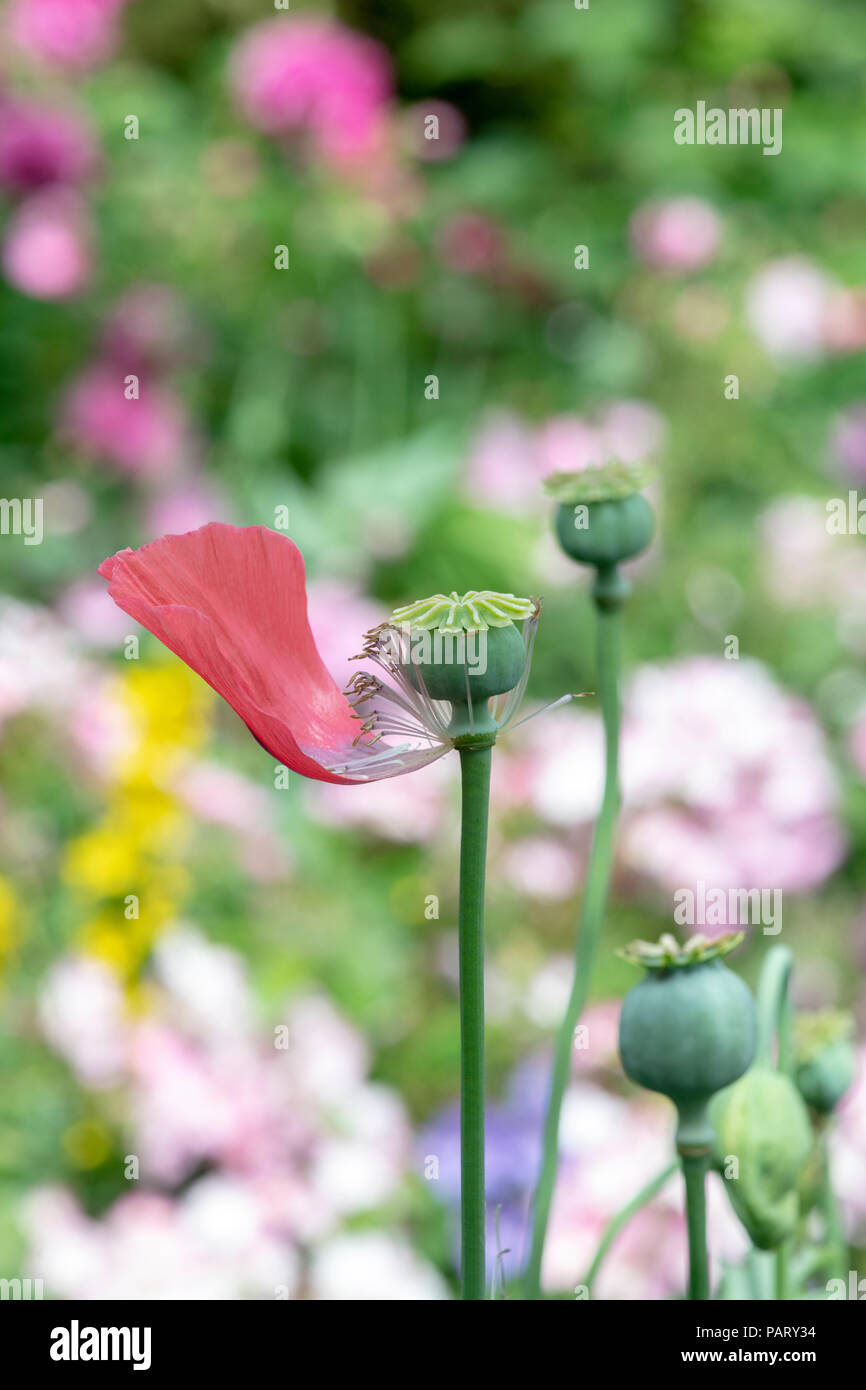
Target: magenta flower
{"x": 145, "y": 436}
{"x": 46, "y": 250}
{"x": 42, "y": 145}
{"x": 64, "y": 33}
{"x": 317, "y": 77}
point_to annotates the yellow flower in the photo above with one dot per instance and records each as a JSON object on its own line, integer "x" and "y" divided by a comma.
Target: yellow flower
{"x": 9, "y": 919}
{"x": 102, "y": 862}
{"x": 87, "y": 1143}
{"x": 108, "y": 937}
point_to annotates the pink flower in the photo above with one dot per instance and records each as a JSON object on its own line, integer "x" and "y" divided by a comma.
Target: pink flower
{"x": 500, "y": 464}
{"x": 857, "y": 744}
{"x": 726, "y": 779}
{"x": 215, "y": 1242}
{"x": 786, "y": 304}
{"x": 42, "y": 145}
{"x": 46, "y": 252}
{"x": 380, "y": 1266}
{"x": 65, "y": 33}
{"x": 148, "y": 435}
{"x": 542, "y": 868}
{"x": 508, "y": 459}
{"x": 612, "y": 1147}
{"x": 435, "y": 130}
{"x": 848, "y": 1154}
{"x": 470, "y": 243}
{"x": 681, "y": 234}
{"x": 845, "y": 321}
{"x": 188, "y": 504}
{"x": 222, "y": 797}
{"x": 88, "y": 610}
{"x": 231, "y": 602}
{"x": 338, "y": 614}
{"x": 316, "y": 76}
{"x": 848, "y": 441}
{"x": 82, "y": 1016}
{"x": 393, "y": 809}
{"x": 805, "y": 566}
{"x": 149, "y": 327}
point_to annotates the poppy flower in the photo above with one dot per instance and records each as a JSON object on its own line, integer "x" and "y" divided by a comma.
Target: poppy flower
{"x": 231, "y": 602}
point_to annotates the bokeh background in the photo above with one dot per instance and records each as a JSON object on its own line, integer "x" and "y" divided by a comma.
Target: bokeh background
{"x": 248, "y": 1088}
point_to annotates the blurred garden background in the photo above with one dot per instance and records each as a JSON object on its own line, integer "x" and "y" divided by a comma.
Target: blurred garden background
{"x": 335, "y": 248}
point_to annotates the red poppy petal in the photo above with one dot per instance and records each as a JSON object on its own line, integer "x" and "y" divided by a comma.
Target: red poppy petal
{"x": 230, "y": 601}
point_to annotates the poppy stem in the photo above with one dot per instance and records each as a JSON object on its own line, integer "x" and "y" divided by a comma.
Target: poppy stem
{"x": 608, "y": 636}
{"x": 475, "y": 784}
{"x": 695, "y": 1173}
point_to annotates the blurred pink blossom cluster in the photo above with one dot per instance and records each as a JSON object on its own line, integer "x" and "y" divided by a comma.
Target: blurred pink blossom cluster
{"x": 145, "y": 434}
{"x": 727, "y": 780}
{"x": 799, "y": 313}
{"x": 847, "y": 1141}
{"x": 46, "y": 251}
{"x": 807, "y": 567}
{"x": 48, "y": 151}
{"x": 310, "y": 75}
{"x": 679, "y": 234}
{"x": 73, "y": 34}
{"x": 315, "y": 85}
{"x": 45, "y": 669}
{"x": 123, "y": 409}
{"x": 611, "y": 1147}
{"x": 41, "y": 664}
{"x": 43, "y": 144}
{"x": 295, "y": 1138}
{"x": 848, "y": 442}
{"x": 509, "y": 458}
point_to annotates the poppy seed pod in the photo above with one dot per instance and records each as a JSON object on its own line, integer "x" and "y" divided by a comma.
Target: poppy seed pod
{"x": 763, "y": 1142}
{"x": 476, "y": 664}
{"x": 465, "y": 650}
{"x": 602, "y": 518}
{"x": 689, "y": 1028}
{"x": 605, "y": 533}
{"x": 825, "y": 1058}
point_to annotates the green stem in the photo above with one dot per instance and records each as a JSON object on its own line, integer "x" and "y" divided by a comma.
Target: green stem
{"x": 776, "y": 1048}
{"x": 475, "y": 782}
{"x": 774, "y": 1011}
{"x": 833, "y": 1234}
{"x": 622, "y": 1218}
{"x": 694, "y": 1171}
{"x": 608, "y": 631}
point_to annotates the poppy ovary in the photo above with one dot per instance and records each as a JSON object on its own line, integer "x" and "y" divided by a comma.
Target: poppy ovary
{"x": 465, "y": 649}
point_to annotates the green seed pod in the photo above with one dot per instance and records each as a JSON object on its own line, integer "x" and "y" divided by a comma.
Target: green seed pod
{"x": 762, "y": 1123}
{"x": 464, "y": 650}
{"x": 602, "y": 519}
{"x": 473, "y": 665}
{"x": 689, "y": 1028}
{"x": 605, "y": 533}
{"x": 825, "y": 1058}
